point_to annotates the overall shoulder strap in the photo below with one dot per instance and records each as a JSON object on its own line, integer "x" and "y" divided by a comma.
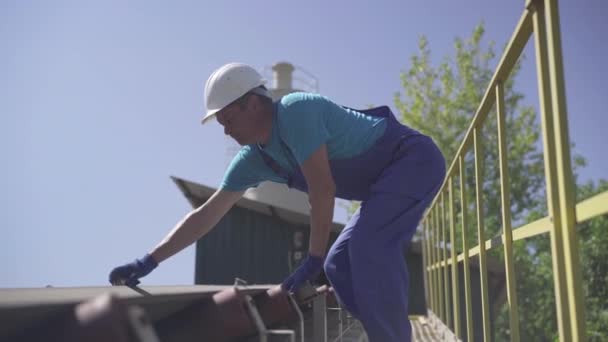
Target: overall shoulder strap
{"x": 272, "y": 164}
{"x": 382, "y": 111}
{"x": 289, "y": 154}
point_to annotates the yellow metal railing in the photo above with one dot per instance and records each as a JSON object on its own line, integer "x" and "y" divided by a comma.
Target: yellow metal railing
{"x": 540, "y": 18}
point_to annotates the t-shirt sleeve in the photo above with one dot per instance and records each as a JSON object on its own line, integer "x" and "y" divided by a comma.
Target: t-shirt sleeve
{"x": 242, "y": 173}
{"x": 305, "y": 127}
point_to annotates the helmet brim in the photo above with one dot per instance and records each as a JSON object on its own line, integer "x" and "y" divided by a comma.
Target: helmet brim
{"x": 209, "y": 116}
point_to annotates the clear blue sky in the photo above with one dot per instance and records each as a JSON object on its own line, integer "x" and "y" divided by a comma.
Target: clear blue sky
{"x": 101, "y": 101}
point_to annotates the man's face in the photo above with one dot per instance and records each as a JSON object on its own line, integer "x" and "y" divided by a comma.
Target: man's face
{"x": 238, "y": 120}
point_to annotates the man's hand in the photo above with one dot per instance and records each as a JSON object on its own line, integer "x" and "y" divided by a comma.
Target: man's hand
{"x": 130, "y": 273}
{"x": 309, "y": 270}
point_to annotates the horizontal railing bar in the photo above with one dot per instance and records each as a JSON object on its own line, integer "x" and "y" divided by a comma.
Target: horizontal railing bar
{"x": 585, "y": 210}
{"x": 531, "y": 229}
{"x": 592, "y": 207}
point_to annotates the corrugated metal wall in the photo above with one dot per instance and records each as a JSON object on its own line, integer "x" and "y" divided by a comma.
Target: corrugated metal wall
{"x": 248, "y": 245}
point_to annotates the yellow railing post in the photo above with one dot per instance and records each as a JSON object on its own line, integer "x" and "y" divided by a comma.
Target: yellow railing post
{"x": 446, "y": 280}
{"x": 431, "y": 261}
{"x": 565, "y": 180}
{"x": 483, "y": 269}
{"x": 505, "y": 199}
{"x": 434, "y": 262}
{"x": 425, "y": 263}
{"x": 439, "y": 270}
{"x": 465, "y": 251}
{"x": 455, "y": 279}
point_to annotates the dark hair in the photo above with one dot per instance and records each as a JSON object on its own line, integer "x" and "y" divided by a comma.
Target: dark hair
{"x": 241, "y": 101}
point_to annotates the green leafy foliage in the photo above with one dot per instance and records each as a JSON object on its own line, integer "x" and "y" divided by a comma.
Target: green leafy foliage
{"x": 441, "y": 101}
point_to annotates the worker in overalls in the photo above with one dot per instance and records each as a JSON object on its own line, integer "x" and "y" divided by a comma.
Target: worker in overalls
{"x": 309, "y": 143}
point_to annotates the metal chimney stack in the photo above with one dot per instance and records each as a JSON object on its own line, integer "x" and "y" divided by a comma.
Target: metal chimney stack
{"x": 282, "y": 76}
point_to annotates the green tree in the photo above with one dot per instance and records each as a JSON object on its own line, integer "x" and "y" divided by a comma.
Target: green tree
{"x": 441, "y": 102}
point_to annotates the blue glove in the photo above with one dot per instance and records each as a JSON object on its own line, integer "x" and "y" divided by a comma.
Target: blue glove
{"x": 130, "y": 273}
{"x": 309, "y": 270}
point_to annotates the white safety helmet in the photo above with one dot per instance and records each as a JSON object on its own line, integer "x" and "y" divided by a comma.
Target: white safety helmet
{"x": 228, "y": 83}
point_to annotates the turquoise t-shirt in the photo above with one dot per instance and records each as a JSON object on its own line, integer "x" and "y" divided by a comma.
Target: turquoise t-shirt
{"x": 305, "y": 122}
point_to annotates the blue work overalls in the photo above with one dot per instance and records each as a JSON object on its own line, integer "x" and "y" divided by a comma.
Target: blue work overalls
{"x": 395, "y": 180}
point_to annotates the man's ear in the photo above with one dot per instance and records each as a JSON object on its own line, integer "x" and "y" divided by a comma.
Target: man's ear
{"x": 254, "y": 103}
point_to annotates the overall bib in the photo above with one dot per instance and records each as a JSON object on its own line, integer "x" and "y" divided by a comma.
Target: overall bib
{"x": 395, "y": 180}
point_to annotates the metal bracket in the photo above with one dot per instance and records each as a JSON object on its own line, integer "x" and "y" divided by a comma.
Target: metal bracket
{"x": 140, "y": 324}
{"x": 296, "y": 307}
{"x": 340, "y": 322}
{"x": 261, "y": 327}
{"x": 319, "y": 322}
{"x": 239, "y": 284}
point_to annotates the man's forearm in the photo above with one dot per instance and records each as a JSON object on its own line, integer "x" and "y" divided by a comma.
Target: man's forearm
{"x": 196, "y": 224}
{"x": 322, "y": 213}
{"x": 191, "y": 228}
